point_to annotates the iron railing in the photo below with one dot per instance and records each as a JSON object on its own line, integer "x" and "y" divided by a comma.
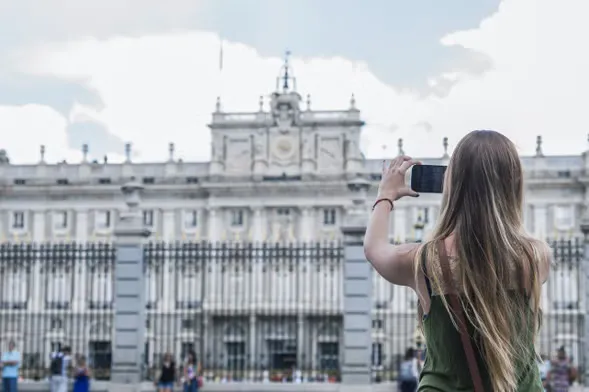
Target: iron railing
{"x": 248, "y": 311}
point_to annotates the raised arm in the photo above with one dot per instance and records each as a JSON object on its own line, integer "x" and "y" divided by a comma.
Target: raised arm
{"x": 392, "y": 262}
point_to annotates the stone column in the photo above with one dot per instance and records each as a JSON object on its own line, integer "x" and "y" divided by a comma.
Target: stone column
{"x": 357, "y": 336}
{"x": 257, "y": 230}
{"x": 400, "y": 219}
{"x": 129, "y": 290}
{"x": 80, "y": 285}
{"x": 38, "y": 300}
{"x": 585, "y": 289}
{"x": 307, "y": 224}
{"x": 214, "y": 226}
{"x": 540, "y": 218}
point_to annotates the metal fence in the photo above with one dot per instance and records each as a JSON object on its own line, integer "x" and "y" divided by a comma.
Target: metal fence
{"x": 248, "y": 311}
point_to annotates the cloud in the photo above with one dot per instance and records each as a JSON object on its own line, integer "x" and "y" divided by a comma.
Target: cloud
{"x": 23, "y": 126}
{"x": 530, "y": 78}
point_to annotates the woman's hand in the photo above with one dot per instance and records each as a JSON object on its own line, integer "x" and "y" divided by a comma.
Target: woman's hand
{"x": 392, "y": 184}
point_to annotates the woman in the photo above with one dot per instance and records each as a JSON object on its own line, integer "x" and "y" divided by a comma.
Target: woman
{"x": 409, "y": 372}
{"x": 191, "y": 373}
{"x": 165, "y": 382}
{"x": 81, "y": 375}
{"x": 496, "y": 268}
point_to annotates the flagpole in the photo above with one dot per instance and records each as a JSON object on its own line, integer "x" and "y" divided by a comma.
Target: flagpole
{"x": 221, "y": 86}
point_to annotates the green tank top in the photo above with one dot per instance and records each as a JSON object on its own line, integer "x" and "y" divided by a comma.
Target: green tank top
{"x": 446, "y": 368}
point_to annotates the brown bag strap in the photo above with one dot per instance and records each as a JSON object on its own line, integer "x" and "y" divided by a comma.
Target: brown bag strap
{"x": 456, "y": 308}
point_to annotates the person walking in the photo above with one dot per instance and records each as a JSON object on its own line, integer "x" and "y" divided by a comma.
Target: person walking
{"x": 167, "y": 376}
{"x": 59, "y": 367}
{"x": 191, "y": 373}
{"x": 81, "y": 376}
{"x": 409, "y": 372}
{"x": 10, "y": 367}
{"x": 478, "y": 278}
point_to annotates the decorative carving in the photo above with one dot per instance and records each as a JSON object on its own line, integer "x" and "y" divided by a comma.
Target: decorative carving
{"x": 330, "y": 153}
{"x": 239, "y": 153}
{"x": 308, "y": 147}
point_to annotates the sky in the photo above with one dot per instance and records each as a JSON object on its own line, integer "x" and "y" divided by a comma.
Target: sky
{"x": 147, "y": 72}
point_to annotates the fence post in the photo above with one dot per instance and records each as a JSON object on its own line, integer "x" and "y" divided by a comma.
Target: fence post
{"x": 129, "y": 292}
{"x": 585, "y": 291}
{"x": 357, "y": 291}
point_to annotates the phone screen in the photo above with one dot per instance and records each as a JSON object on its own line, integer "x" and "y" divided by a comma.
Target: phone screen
{"x": 428, "y": 178}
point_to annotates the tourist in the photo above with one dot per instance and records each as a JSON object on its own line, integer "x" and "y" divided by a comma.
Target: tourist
{"x": 167, "y": 375}
{"x": 409, "y": 372}
{"x": 10, "y": 367}
{"x": 81, "y": 375}
{"x": 191, "y": 373}
{"x": 59, "y": 367}
{"x": 483, "y": 338}
{"x": 562, "y": 372}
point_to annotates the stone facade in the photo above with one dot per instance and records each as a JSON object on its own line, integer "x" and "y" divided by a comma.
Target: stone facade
{"x": 278, "y": 174}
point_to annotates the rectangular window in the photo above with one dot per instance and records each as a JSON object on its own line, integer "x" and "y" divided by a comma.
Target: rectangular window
{"x": 18, "y": 220}
{"x": 148, "y": 218}
{"x": 237, "y": 218}
{"x": 101, "y": 285}
{"x": 60, "y": 220}
{"x": 377, "y": 354}
{"x": 329, "y": 216}
{"x": 190, "y": 219}
{"x": 563, "y": 217}
{"x": 283, "y": 211}
{"x": 329, "y": 355}
{"x": 58, "y": 288}
{"x": 103, "y": 220}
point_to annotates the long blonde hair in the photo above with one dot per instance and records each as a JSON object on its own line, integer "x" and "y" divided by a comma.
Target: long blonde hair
{"x": 482, "y": 209}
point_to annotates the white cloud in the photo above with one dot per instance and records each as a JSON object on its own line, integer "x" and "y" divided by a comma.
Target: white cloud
{"x": 161, "y": 89}
{"x": 24, "y": 129}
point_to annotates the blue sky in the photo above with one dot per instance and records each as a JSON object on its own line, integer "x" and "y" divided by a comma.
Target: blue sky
{"x": 146, "y": 71}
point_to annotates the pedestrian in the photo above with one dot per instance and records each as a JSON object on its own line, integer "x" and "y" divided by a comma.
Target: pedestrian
{"x": 81, "y": 375}
{"x": 478, "y": 278}
{"x": 59, "y": 367}
{"x": 167, "y": 375}
{"x": 10, "y": 366}
{"x": 409, "y": 372}
{"x": 191, "y": 373}
{"x": 562, "y": 372}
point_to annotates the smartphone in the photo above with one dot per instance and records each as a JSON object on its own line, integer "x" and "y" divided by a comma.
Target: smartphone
{"x": 428, "y": 178}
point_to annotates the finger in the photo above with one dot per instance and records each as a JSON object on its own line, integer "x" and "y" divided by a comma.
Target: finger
{"x": 407, "y": 164}
{"x": 409, "y": 192}
{"x": 384, "y": 166}
{"x": 396, "y": 162}
{"x": 412, "y": 193}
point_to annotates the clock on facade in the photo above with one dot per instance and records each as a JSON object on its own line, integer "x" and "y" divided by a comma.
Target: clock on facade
{"x": 283, "y": 148}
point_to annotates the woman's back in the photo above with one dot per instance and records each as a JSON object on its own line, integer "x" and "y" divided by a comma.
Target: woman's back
{"x": 446, "y": 366}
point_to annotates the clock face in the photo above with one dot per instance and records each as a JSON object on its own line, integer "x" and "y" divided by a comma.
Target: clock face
{"x": 283, "y": 148}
